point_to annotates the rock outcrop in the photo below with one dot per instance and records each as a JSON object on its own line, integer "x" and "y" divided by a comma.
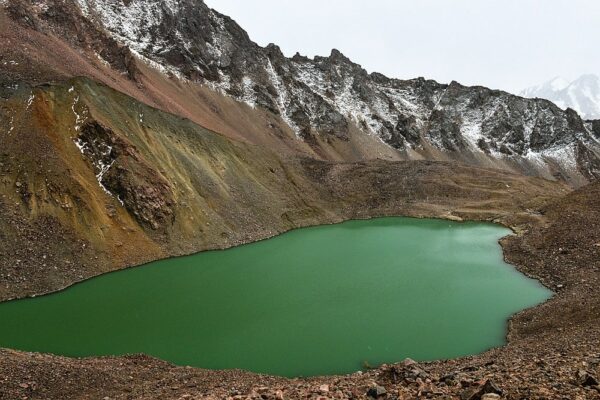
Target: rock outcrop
{"x": 324, "y": 98}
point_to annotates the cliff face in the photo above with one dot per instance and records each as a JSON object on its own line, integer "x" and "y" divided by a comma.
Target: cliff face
{"x": 326, "y": 101}
{"x": 322, "y": 97}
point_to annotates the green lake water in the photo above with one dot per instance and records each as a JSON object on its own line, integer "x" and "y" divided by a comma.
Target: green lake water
{"x": 314, "y": 301}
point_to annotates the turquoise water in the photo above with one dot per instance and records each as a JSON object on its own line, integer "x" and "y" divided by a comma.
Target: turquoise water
{"x": 322, "y": 300}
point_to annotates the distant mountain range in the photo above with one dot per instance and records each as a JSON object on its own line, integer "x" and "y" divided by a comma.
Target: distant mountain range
{"x": 582, "y": 94}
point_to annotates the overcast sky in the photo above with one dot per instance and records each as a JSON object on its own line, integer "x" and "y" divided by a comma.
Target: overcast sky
{"x": 505, "y": 44}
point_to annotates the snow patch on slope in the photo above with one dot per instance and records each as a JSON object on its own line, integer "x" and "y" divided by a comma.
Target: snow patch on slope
{"x": 99, "y": 164}
{"x": 283, "y": 97}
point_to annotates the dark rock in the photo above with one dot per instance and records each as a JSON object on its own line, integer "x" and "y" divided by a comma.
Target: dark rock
{"x": 376, "y": 392}
{"x": 588, "y": 162}
{"x": 448, "y": 378}
{"x": 586, "y": 379}
{"x": 596, "y": 128}
{"x": 125, "y": 175}
{"x": 487, "y": 388}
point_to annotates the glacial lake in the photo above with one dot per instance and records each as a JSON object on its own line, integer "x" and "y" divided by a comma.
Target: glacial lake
{"x": 314, "y": 301}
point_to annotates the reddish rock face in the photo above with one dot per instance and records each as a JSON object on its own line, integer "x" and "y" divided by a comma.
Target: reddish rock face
{"x": 123, "y": 173}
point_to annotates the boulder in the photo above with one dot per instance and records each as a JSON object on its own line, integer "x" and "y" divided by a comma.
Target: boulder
{"x": 376, "y": 392}
{"x": 488, "y": 388}
{"x": 586, "y": 379}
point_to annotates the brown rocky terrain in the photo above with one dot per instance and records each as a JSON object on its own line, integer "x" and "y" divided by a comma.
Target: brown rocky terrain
{"x": 44, "y": 250}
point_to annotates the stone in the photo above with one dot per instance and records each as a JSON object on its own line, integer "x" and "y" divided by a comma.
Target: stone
{"x": 491, "y": 396}
{"x": 408, "y": 362}
{"x": 324, "y": 388}
{"x": 455, "y": 218}
{"x": 376, "y": 392}
{"x": 262, "y": 390}
{"x": 487, "y": 388}
{"x": 448, "y": 378}
{"x": 490, "y": 387}
{"x": 586, "y": 379}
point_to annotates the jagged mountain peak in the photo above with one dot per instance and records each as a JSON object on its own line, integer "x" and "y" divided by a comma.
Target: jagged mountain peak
{"x": 326, "y": 98}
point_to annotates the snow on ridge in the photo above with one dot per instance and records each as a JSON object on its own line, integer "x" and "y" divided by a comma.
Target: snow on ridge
{"x": 282, "y": 99}
{"x": 104, "y": 168}
{"x": 130, "y": 24}
{"x": 387, "y": 105}
{"x": 81, "y": 145}
{"x": 30, "y": 100}
{"x": 79, "y": 119}
{"x": 380, "y": 107}
{"x": 564, "y": 156}
{"x": 248, "y": 95}
{"x": 162, "y": 68}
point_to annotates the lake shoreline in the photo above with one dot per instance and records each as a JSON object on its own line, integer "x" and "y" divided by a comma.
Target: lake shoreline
{"x": 535, "y": 335}
{"x": 389, "y": 257}
{"x": 449, "y": 218}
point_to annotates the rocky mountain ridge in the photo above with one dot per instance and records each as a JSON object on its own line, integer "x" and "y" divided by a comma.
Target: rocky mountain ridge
{"x": 325, "y": 99}
{"x": 325, "y": 95}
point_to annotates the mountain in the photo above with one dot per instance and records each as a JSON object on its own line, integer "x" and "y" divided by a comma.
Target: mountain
{"x": 327, "y": 107}
{"x": 582, "y": 95}
{"x": 135, "y": 130}
{"x": 546, "y": 89}
{"x": 91, "y": 180}
{"x": 163, "y": 124}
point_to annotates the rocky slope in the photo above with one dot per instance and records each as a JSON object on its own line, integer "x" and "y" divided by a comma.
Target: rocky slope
{"x": 109, "y": 177}
{"x": 582, "y": 95}
{"x": 327, "y": 101}
{"x": 325, "y": 95}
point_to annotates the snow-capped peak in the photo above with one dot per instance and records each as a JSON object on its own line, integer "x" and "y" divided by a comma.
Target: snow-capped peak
{"x": 559, "y": 83}
{"x": 552, "y": 86}
{"x": 582, "y": 94}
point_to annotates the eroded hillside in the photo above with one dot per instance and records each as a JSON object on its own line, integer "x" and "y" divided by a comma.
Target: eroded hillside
{"x": 92, "y": 181}
{"x": 190, "y": 60}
